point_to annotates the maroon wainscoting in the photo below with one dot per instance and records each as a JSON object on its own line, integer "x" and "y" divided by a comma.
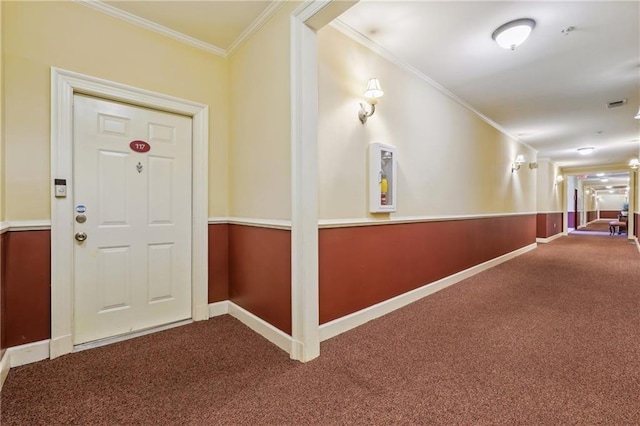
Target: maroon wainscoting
{"x": 592, "y": 215}
{"x": 260, "y": 273}
{"x": 218, "y": 262}
{"x": 26, "y": 283}
{"x": 548, "y": 224}
{"x": 609, "y": 214}
{"x": 3, "y": 238}
{"x": 362, "y": 266}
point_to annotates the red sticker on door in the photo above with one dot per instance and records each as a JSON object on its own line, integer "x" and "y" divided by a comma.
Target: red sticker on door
{"x": 139, "y": 146}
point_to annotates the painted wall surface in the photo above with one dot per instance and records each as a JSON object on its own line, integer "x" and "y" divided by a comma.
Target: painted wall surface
{"x": 3, "y": 239}
{"x": 260, "y": 273}
{"x": 548, "y": 224}
{"x": 549, "y": 193}
{"x": 611, "y": 202}
{"x": 2, "y": 168}
{"x": 450, "y": 162}
{"x": 26, "y": 300}
{"x": 39, "y": 35}
{"x": 218, "y": 262}
{"x": 364, "y": 265}
{"x": 260, "y": 117}
{"x": 571, "y": 184}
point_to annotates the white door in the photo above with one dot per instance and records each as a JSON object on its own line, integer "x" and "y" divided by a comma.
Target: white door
{"x": 133, "y": 270}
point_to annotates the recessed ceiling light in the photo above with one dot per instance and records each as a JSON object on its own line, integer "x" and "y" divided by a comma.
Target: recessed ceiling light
{"x": 599, "y": 174}
{"x": 586, "y": 150}
{"x": 609, "y": 187}
{"x": 514, "y": 33}
{"x": 604, "y": 180}
{"x": 611, "y": 191}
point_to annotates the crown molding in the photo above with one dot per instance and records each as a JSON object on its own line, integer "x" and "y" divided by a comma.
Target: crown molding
{"x": 375, "y": 47}
{"x": 255, "y": 26}
{"x": 151, "y": 26}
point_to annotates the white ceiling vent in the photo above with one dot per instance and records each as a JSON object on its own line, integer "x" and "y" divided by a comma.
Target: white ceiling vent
{"x": 615, "y": 104}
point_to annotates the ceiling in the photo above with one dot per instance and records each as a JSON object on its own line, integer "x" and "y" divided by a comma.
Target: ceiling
{"x": 600, "y": 183}
{"x": 551, "y": 92}
{"x": 218, "y": 23}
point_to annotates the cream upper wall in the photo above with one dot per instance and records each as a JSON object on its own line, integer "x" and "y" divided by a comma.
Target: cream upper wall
{"x": 260, "y": 117}
{"x": 2, "y": 168}
{"x": 450, "y": 161}
{"x": 611, "y": 201}
{"x": 39, "y": 35}
{"x": 549, "y": 194}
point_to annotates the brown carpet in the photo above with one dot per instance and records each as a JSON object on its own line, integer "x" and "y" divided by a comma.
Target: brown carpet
{"x": 600, "y": 226}
{"x": 551, "y": 337}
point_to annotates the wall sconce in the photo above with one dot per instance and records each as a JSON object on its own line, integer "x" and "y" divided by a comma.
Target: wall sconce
{"x": 516, "y": 164}
{"x": 373, "y": 95}
{"x": 533, "y": 166}
{"x": 634, "y": 163}
{"x": 559, "y": 179}
{"x": 637, "y": 117}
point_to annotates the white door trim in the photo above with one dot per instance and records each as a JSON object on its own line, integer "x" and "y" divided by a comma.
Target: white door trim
{"x": 63, "y": 85}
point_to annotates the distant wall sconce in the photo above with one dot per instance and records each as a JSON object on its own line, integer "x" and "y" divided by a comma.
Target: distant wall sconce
{"x": 533, "y": 165}
{"x": 634, "y": 163}
{"x": 586, "y": 150}
{"x": 637, "y": 117}
{"x": 559, "y": 179}
{"x": 373, "y": 95}
{"x": 514, "y": 33}
{"x": 517, "y": 163}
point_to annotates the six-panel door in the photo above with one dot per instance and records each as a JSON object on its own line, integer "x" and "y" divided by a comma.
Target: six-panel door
{"x": 133, "y": 270}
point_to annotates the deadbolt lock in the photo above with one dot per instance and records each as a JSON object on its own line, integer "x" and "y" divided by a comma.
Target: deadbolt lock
{"x": 81, "y": 218}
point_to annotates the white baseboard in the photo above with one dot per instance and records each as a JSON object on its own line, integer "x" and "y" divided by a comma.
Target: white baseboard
{"x": 260, "y": 326}
{"x": 61, "y": 345}
{"x": 348, "y": 322}
{"x": 549, "y": 239}
{"x": 31, "y": 352}
{"x": 5, "y": 365}
{"x": 218, "y": 308}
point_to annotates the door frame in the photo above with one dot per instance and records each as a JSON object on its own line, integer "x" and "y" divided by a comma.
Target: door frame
{"x": 64, "y": 84}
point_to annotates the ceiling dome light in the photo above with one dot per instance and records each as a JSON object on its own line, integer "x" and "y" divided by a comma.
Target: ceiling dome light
{"x": 586, "y": 150}
{"x": 514, "y": 33}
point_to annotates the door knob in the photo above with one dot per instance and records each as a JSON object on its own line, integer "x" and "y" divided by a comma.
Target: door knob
{"x": 81, "y": 236}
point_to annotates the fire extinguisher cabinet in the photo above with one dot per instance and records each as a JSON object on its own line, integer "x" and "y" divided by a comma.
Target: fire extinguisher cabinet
{"x": 382, "y": 178}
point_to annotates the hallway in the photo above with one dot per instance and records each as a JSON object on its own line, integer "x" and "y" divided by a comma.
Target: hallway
{"x": 547, "y": 338}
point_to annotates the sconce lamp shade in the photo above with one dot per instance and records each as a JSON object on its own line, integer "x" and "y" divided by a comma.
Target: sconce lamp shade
{"x": 514, "y": 33}
{"x": 559, "y": 179}
{"x": 373, "y": 92}
{"x": 637, "y": 117}
{"x": 517, "y": 163}
{"x": 634, "y": 163}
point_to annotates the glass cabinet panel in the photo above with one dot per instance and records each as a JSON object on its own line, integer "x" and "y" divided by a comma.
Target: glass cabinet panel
{"x": 382, "y": 178}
